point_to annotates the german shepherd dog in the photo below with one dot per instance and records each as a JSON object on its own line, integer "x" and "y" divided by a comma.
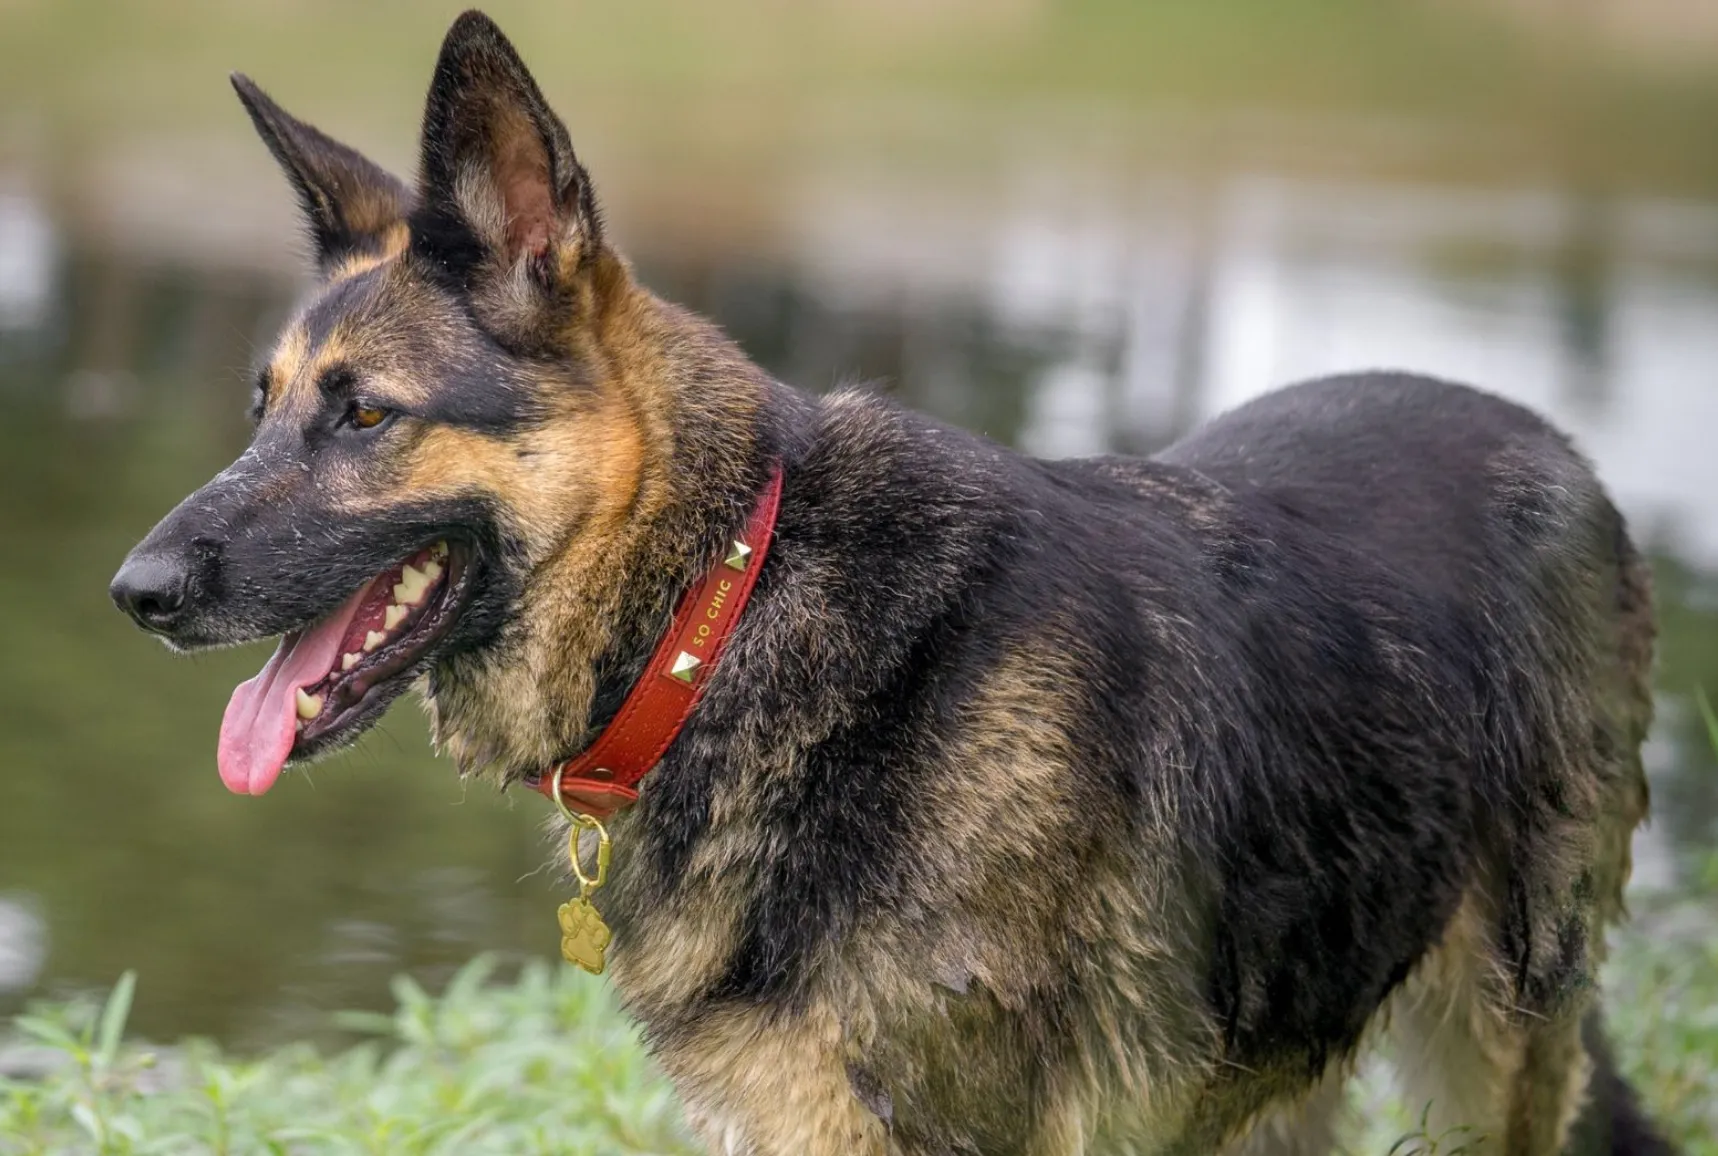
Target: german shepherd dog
{"x": 1098, "y": 806}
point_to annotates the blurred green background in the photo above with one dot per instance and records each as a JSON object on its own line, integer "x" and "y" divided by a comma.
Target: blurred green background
{"x": 1076, "y": 226}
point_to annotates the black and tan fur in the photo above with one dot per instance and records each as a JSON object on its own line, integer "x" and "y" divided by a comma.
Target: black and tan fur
{"x": 1037, "y": 808}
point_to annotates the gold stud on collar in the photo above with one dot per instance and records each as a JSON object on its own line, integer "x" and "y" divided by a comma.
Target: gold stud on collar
{"x": 739, "y": 556}
{"x": 685, "y": 667}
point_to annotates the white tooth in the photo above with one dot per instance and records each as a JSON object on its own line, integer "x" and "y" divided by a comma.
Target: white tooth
{"x": 374, "y": 639}
{"x": 410, "y": 586}
{"x": 394, "y": 616}
{"x": 348, "y": 661}
{"x": 432, "y": 571}
{"x": 439, "y": 550}
{"x": 309, "y": 705}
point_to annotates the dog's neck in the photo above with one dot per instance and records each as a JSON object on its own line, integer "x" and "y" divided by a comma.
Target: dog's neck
{"x": 709, "y": 424}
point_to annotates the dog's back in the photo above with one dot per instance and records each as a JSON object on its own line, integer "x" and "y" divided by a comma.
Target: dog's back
{"x": 1448, "y": 635}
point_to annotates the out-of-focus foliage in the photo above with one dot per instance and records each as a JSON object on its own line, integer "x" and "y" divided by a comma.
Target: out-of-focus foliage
{"x": 545, "y": 1063}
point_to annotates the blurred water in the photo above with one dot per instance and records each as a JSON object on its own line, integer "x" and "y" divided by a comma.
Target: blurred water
{"x": 1109, "y": 317}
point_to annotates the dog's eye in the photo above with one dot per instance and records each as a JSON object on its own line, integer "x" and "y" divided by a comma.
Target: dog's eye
{"x": 365, "y": 417}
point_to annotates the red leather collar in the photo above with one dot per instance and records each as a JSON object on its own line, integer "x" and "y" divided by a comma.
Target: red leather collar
{"x": 604, "y": 779}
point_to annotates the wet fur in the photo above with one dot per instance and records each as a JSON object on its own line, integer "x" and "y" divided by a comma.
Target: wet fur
{"x": 1110, "y": 805}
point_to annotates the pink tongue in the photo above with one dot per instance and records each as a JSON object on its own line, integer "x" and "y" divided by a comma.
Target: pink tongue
{"x": 257, "y": 731}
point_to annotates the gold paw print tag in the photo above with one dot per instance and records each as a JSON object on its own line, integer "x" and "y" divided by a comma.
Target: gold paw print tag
{"x": 584, "y": 936}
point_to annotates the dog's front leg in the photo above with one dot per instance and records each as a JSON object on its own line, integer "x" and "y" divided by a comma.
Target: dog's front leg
{"x": 823, "y": 1133}
{"x": 758, "y": 1083}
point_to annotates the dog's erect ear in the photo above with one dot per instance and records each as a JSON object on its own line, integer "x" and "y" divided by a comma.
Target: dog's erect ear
{"x": 498, "y": 166}
{"x": 351, "y": 204}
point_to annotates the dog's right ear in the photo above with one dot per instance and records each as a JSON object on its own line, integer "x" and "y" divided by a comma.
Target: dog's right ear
{"x": 351, "y": 204}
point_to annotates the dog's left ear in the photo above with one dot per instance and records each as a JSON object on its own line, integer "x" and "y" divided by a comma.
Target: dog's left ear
{"x": 351, "y": 204}
{"x": 506, "y": 203}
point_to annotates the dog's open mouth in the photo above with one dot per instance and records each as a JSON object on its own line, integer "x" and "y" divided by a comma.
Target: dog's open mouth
{"x": 323, "y": 680}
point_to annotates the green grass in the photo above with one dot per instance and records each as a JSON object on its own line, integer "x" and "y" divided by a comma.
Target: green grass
{"x": 544, "y": 1062}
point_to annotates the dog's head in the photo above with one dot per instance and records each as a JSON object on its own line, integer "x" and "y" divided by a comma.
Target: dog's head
{"x": 464, "y": 400}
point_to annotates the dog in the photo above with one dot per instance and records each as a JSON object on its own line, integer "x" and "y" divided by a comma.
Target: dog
{"x": 1036, "y": 807}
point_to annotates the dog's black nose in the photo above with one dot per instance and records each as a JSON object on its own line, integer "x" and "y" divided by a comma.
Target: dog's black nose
{"x": 151, "y": 588}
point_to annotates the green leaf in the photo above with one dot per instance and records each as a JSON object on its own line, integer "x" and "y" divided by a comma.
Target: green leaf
{"x": 1707, "y": 713}
{"x": 86, "y": 1119}
{"x": 367, "y": 1023}
{"x": 49, "y": 1032}
{"x": 113, "y": 1017}
{"x": 409, "y": 993}
{"x": 470, "y": 979}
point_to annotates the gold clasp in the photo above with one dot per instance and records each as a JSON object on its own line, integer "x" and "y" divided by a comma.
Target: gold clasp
{"x": 584, "y": 935}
